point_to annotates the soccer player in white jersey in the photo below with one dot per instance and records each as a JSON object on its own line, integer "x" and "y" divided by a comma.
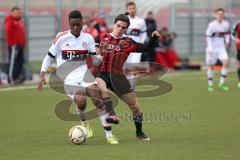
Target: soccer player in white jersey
{"x": 70, "y": 49}
{"x": 218, "y": 39}
{"x": 138, "y": 32}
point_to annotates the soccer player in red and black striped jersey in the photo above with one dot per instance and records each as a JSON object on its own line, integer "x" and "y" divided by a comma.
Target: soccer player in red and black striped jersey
{"x": 115, "y": 48}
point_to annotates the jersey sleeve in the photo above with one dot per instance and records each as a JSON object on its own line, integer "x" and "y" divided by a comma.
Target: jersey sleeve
{"x": 238, "y": 30}
{"x": 97, "y": 41}
{"x": 138, "y": 47}
{"x": 46, "y": 62}
{"x": 209, "y": 33}
{"x": 144, "y": 47}
{"x": 234, "y": 29}
{"x": 91, "y": 47}
{"x": 9, "y": 26}
{"x": 227, "y": 33}
{"x": 143, "y": 33}
{"x": 53, "y": 50}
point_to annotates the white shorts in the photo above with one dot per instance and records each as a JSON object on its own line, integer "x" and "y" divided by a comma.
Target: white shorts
{"x": 78, "y": 80}
{"x": 134, "y": 57}
{"x": 133, "y": 60}
{"x": 219, "y": 53}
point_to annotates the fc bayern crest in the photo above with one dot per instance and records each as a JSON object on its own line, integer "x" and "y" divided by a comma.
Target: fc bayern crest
{"x": 84, "y": 44}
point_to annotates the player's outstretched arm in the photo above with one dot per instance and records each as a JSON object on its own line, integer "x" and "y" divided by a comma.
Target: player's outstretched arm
{"x": 145, "y": 47}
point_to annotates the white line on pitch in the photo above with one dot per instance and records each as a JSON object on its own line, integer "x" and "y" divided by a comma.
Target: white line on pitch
{"x": 19, "y": 88}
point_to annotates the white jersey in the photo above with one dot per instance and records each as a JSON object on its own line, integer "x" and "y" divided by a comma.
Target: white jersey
{"x": 137, "y": 29}
{"x": 217, "y": 35}
{"x": 67, "y": 47}
{"x": 70, "y": 54}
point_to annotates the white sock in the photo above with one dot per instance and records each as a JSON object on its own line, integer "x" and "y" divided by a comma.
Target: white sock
{"x": 210, "y": 77}
{"x": 223, "y": 75}
{"x": 108, "y": 133}
{"x": 82, "y": 115}
{"x": 103, "y": 115}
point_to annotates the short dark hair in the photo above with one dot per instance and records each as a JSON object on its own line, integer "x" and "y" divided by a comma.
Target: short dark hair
{"x": 219, "y": 9}
{"x": 75, "y": 14}
{"x": 130, "y": 4}
{"x": 122, "y": 17}
{"x": 15, "y": 8}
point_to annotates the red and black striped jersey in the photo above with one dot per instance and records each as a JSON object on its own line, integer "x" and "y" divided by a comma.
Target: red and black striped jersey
{"x": 115, "y": 51}
{"x": 236, "y": 32}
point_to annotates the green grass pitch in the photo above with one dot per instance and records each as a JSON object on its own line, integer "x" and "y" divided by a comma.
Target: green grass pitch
{"x": 189, "y": 124}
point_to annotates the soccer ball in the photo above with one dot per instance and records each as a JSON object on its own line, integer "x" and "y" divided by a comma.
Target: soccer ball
{"x": 78, "y": 134}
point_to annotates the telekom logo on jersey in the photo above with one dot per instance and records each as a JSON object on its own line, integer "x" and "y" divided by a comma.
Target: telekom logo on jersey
{"x": 70, "y": 52}
{"x": 74, "y": 54}
{"x": 75, "y": 51}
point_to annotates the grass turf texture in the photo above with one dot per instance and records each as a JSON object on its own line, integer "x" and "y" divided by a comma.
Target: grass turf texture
{"x": 29, "y": 128}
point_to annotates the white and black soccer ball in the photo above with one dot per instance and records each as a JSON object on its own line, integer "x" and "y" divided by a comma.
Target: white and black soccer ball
{"x": 78, "y": 134}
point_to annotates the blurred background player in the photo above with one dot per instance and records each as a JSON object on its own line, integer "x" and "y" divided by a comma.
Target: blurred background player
{"x": 70, "y": 49}
{"x": 165, "y": 53}
{"x": 95, "y": 24}
{"x": 16, "y": 42}
{"x": 151, "y": 26}
{"x": 218, "y": 39}
{"x": 136, "y": 31}
{"x": 236, "y": 37}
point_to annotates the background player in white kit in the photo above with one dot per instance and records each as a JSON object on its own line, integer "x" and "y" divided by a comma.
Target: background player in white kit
{"x": 138, "y": 32}
{"x": 218, "y": 39}
{"x": 70, "y": 49}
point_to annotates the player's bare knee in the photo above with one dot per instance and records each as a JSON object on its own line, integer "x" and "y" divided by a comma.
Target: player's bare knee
{"x": 80, "y": 100}
{"x": 225, "y": 63}
{"x": 92, "y": 89}
{"x": 98, "y": 102}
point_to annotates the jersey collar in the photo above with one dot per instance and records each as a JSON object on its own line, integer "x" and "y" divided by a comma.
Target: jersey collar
{"x": 69, "y": 32}
{"x": 115, "y": 36}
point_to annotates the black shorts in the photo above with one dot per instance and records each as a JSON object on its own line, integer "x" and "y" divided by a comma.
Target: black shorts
{"x": 238, "y": 54}
{"x": 119, "y": 84}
